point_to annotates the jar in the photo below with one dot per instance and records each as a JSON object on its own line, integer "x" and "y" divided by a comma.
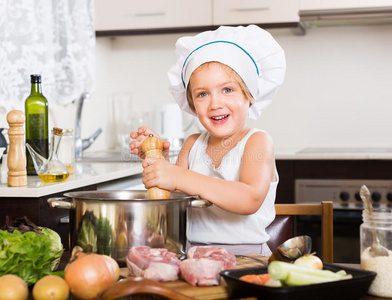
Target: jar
{"x": 377, "y": 225}
{"x": 66, "y": 152}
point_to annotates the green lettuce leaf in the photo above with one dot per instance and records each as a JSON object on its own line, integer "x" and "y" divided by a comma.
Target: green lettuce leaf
{"x": 29, "y": 255}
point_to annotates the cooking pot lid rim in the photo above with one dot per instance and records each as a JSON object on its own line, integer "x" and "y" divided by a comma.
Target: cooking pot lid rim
{"x": 124, "y": 195}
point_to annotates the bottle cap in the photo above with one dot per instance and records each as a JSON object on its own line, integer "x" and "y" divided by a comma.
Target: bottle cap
{"x": 57, "y": 131}
{"x": 35, "y": 78}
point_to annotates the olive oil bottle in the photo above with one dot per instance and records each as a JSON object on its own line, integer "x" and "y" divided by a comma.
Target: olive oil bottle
{"x": 37, "y": 122}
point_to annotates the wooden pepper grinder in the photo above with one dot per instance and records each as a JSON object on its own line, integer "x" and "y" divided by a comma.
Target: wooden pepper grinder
{"x": 16, "y": 160}
{"x": 152, "y": 147}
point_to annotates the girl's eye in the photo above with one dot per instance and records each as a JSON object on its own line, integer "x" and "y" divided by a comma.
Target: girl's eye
{"x": 227, "y": 90}
{"x": 201, "y": 95}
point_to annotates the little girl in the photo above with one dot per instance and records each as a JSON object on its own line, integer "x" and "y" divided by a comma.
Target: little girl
{"x": 223, "y": 77}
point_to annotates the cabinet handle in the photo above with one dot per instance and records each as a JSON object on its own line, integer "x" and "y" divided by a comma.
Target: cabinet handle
{"x": 251, "y": 8}
{"x": 149, "y": 14}
{"x": 64, "y": 220}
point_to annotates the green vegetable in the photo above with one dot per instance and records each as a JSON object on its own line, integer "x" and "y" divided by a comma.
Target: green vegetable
{"x": 87, "y": 237}
{"x": 292, "y": 274}
{"x": 30, "y": 256}
{"x": 296, "y": 278}
{"x": 95, "y": 234}
{"x": 105, "y": 239}
{"x": 56, "y": 245}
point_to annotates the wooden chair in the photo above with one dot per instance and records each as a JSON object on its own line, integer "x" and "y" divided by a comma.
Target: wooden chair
{"x": 281, "y": 228}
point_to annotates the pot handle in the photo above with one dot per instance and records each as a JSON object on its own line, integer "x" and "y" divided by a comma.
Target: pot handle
{"x": 59, "y": 202}
{"x": 200, "y": 203}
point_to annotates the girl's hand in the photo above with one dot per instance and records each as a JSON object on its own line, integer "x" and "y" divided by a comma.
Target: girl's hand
{"x": 160, "y": 173}
{"x": 142, "y": 133}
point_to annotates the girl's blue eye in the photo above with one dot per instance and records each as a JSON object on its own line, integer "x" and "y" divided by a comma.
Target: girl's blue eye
{"x": 201, "y": 95}
{"x": 227, "y": 90}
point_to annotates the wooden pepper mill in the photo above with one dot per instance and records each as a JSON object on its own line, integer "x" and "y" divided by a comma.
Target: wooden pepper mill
{"x": 16, "y": 159}
{"x": 152, "y": 147}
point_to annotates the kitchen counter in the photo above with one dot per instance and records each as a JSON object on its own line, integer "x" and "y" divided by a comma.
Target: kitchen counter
{"x": 90, "y": 173}
{"x": 86, "y": 174}
{"x": 334, "y": 153}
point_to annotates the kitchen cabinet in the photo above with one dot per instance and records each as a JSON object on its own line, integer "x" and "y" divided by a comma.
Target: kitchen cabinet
{"x": 226, "y": 12}
{"x": 39, "y": 212}
{"x": 121, "y": 17}
{"x": 342, "y": 4}
{"x": 126, "y": 14}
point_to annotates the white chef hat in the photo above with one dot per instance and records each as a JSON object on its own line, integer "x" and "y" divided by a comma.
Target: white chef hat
{"x": 250, "y": 51}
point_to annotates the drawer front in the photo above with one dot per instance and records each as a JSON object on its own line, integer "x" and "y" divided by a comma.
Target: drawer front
{"x": 125, "y": 14}
{"x": 254, "y": 11}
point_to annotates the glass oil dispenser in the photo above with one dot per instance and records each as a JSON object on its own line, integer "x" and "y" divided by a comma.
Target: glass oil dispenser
{"x": 51, "y": 169}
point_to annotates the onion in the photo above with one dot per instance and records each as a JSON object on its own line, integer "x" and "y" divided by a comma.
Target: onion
{"x": 90, "y": 274}
{"x": 309, "y": 261}
{"x": 114, "y": 266}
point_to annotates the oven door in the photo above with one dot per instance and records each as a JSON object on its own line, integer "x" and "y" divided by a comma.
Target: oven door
{"x": 346, "y": 242}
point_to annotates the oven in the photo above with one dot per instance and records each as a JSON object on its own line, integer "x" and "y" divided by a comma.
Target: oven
{"x": 347, "y": 214}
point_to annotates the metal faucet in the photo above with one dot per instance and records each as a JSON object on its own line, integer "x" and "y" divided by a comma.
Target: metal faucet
{"x": 80, "y": 144}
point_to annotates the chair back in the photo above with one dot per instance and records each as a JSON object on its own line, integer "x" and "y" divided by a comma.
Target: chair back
{"x": 280, "y": 230}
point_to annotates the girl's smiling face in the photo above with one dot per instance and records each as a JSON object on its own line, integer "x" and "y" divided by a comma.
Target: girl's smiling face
{"x": 219, "y": 100}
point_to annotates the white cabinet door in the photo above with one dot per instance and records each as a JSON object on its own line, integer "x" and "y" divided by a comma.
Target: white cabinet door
{"x": 341, "y": 4}
{"x": 132, "y": 14}
{"x": 254, "y": 11}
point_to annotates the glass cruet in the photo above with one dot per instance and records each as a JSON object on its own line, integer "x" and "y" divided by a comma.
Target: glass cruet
{"x": 51, "y": 169}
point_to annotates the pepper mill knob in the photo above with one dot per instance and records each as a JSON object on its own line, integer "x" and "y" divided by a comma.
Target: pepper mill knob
{"x": 152, "y": 147}
{"x": 16, "y": 159}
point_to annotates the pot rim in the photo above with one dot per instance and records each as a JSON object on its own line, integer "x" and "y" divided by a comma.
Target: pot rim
{"x": 126, "y": 195}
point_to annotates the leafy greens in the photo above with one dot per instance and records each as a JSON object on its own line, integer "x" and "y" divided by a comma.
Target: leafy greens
{"x": 30, "y": 255}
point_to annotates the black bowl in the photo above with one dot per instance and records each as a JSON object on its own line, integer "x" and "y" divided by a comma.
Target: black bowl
{"x": 353, "y": 288}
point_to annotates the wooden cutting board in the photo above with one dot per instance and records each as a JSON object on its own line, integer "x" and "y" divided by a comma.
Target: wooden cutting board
{"x": 210, "y": 292}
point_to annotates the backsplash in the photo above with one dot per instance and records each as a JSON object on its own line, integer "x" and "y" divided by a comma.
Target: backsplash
{"x": 336, "y": 91}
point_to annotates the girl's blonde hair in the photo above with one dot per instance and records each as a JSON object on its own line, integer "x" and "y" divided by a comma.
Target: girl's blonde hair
{"x": 234, "y": 75}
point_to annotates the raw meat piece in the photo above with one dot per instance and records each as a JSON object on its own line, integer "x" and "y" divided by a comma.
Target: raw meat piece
{"x": 142, "y": 256}
{"x": 202, "y": 271}
{"x": 140, "y": 259}
{"x": 161, "y": 272}
{"x": 133, "y": 269}
{"x": 214, "y": 253}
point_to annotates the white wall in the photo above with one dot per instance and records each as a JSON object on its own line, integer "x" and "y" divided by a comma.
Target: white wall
{"x": 337, "y": 90}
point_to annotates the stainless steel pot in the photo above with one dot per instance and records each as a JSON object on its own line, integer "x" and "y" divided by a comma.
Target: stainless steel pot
{"x": 111, "y": 222}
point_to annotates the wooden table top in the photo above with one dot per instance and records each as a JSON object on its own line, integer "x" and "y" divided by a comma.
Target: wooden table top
{"x": 209, "y": 292}
{"x": 221, "y": 291}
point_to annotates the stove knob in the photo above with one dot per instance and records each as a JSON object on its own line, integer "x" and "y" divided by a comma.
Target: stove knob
{"x": 389, "y": 196}
{"x": 358, "y": 197}
{"x": 344, "y": 196}
{"x": 376, "y": 196}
